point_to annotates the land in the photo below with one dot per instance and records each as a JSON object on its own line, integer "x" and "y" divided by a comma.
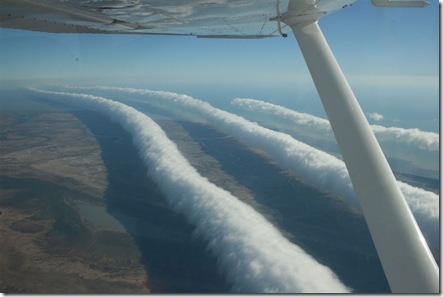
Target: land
{"x": 48, "y": 165}
{"x": 79, "y": 215}
{"x": 67, "y": 221}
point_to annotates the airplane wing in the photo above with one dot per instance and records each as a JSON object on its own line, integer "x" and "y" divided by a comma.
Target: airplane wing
{"x": 202, "y": 18}
{"x": 405, "y": 257}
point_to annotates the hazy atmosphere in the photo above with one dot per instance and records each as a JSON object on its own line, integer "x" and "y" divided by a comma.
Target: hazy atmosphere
{"x": 170, "y": 164}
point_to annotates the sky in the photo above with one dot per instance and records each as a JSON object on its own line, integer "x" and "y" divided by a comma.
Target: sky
{"x": 255, "y": 256}
{"x": 385, "y": 54}
{"x": 390, "y": 56}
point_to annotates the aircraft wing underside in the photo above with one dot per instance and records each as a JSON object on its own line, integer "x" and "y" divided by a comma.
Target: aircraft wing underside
{"x": 202, "y": 18}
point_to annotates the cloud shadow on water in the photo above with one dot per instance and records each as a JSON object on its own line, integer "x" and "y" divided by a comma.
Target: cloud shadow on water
{"x": 175, "y": 260}
{"x": 150, "y": 139}
{"x": 321, "y": 225}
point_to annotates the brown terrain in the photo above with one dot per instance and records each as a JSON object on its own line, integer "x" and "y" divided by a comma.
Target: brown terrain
{"x": 57, "y": 234}
{"x": 49, "y": 165}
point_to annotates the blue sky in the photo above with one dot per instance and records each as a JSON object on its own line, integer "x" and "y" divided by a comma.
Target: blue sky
{"x": 383, "y": 52}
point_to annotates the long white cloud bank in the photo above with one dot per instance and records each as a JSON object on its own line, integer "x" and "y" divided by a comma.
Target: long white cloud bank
{"x": 316, "y": 168}
{"x": 412, "y": 137}
{"x": 251, "y": 252}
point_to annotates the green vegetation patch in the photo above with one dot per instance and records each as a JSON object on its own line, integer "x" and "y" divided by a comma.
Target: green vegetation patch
{"x": 68, "y": 223}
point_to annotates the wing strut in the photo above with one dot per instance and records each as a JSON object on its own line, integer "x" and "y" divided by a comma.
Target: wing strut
{"x": 404, "y": 254}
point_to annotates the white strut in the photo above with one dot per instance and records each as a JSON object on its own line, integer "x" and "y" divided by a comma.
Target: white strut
{"x": 406, "y": 259}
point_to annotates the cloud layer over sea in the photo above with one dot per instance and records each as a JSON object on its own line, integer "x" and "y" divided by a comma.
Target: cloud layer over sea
{"x": 314, "y": 167}
{"x": 252, "y": 254}
{"x": 413, "y": 137}
{"x": 410, "y": 151}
